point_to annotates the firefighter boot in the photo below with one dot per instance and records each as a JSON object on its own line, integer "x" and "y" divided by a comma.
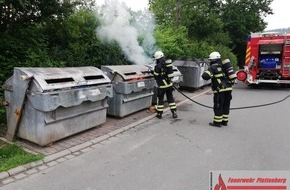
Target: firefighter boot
{"x": 224, "y": 123}
{"x": 215, "y": 124}
{"x": 174, "y": 114}
{"x": 159, "y": 115}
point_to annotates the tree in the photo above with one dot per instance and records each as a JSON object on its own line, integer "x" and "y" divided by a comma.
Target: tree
{"x": 173, "y": 41}
{"x": 240, "y": 18}
{"x": 21, "y": 13}
{"x": 217, "y": 22}
{"x": 164, "y": 11}
{"x": 80, "y": 45}
{"x": 39, "y": 33}
{"x": 201, "y": 18}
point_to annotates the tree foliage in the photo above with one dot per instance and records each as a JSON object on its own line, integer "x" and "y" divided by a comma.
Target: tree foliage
{"x": 216, "y": 22}
{"x": 173, "y": 41}
{"x": 241, "y": 17}
{"x": 164, "y": 10}
{"x": 53, "y": 33}
{"x": 62, "y": 33}
{"x": 22, "y": 13}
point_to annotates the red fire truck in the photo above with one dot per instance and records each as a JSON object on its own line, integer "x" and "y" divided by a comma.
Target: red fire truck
{"x": 267, "y": 59}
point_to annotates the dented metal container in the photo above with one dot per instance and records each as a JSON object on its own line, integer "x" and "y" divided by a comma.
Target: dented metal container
{"x": 132, "y": 88}
{"x": 192, "y": 71}
{"x": 48, "y": 104}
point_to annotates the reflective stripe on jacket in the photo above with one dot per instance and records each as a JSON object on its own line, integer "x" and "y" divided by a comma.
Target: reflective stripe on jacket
{"x": 219, "y": 82}
{"x": 163, "y": 72}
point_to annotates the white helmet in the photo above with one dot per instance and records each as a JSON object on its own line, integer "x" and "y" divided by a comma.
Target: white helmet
{"x": 158, "y": 55}
{"x": 214, "y": 55}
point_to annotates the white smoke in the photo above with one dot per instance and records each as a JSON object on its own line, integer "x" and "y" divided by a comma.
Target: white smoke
{"x": 120, "y": 24}
{"x": 144, "y": 22}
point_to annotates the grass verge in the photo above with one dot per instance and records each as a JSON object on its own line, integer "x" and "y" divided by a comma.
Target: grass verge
{"x": 12, "y": 156}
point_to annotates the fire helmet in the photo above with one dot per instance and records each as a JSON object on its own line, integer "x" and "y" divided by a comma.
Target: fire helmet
{"x": 158, "y": 55}
{"x": 214, "y": 55}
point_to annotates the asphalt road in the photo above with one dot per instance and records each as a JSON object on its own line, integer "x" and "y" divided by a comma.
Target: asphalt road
{"x": 177, "y": 154}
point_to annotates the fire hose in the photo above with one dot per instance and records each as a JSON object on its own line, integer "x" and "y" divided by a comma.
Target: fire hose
{"x": 237, "y": 108}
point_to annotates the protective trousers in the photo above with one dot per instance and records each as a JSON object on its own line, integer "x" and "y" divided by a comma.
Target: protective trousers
{"x": 222, "y": 101}
{"x": 160, "y": 101}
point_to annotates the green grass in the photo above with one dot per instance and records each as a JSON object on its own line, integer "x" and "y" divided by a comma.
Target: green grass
{"x": 12, "y": 156}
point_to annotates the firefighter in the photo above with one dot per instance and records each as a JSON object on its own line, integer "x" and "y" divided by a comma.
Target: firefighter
{"x": 222, "y": 77}
{"x": 163, "y": 73}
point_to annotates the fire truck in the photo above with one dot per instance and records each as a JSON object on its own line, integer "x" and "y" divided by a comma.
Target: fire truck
{"x": 267, "y": 59}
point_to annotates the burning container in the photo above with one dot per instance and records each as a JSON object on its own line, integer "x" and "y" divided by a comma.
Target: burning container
{"x": 48, "y": 104}
{"x": 132, "y": 88}
{"x": 192, "y": 71}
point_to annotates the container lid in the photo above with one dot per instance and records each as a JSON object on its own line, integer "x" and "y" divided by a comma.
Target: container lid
{"x": 128, "y": 72}
{"x": 58, "y": 78}
{"x": 179, "y": 63}
{"x": 190, "y": 63}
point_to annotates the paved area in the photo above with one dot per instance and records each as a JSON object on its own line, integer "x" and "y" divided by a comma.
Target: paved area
{"x": 76, "y": 145}
{"x": 172, "y": 153}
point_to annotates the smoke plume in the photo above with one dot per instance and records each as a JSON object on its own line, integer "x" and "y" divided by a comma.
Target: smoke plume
{"x": 127, "y": 28}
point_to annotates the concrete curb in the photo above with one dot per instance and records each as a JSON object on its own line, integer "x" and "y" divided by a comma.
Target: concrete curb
{"x": 4, "y": 175}
{"x": 47, "y": 161}
{"x": 56, "y": 156}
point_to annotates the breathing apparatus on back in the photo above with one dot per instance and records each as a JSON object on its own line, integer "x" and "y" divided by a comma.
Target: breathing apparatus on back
{"x": 227, "y": 67}
{"x": 229, "y": 70}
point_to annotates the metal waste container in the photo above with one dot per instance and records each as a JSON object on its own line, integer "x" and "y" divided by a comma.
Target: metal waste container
{"x": 48, "y": 104}
{"x": 192, "y": 71}
{"x": 176, "y": 80}
{"x": 132, "y": 88}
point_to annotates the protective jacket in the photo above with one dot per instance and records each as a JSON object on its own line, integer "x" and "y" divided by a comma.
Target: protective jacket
{"x": 220, "y": 81}
{"x": 163, "y": 72}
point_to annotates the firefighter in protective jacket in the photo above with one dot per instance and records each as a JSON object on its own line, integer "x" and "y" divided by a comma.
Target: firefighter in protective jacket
{"x": 222, "y": 77}
{"x": 163, "y": 73}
